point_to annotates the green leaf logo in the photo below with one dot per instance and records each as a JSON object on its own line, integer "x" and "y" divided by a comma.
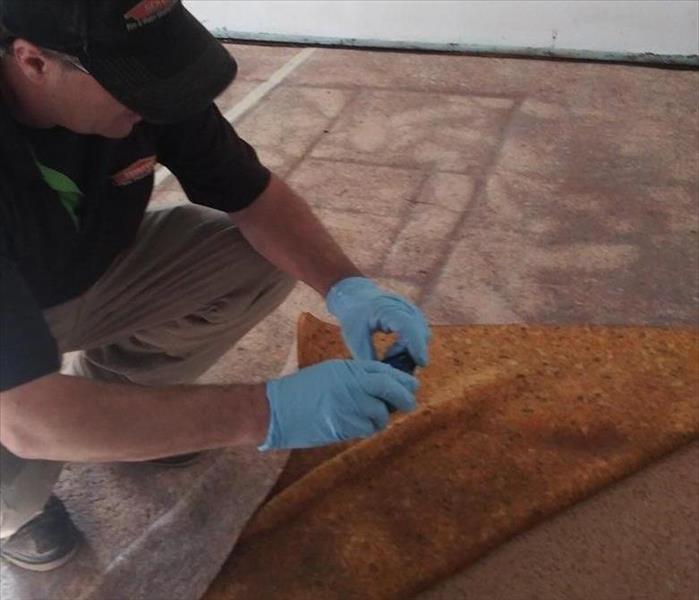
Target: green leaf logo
{"x": 68, "y": 192}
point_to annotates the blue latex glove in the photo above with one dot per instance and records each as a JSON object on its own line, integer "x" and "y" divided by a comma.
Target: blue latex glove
{"x": 333, "y": 401}
{"x": 362, "y": 308}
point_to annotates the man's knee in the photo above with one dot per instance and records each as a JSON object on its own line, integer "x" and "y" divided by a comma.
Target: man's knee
{"x": 242, "y": 272}
{"x": 256, "y": 301}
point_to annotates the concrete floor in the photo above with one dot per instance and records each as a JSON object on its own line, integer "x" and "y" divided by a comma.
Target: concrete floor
{"x": 495, "y": 190}
{"x": 490, "y": 191}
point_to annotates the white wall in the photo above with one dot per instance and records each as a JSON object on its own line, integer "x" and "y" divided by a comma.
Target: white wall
{"x": 664, "y": 27}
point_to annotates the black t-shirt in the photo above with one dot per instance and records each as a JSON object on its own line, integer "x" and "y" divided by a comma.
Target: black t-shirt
{"x": 69, "y": 204}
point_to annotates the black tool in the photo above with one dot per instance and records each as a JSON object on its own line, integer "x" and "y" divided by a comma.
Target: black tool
{"x": 403, "y": 362}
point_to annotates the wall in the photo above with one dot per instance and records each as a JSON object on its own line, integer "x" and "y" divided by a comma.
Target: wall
{"x": 602, "y": 28}
{"x": 597, "y": 28}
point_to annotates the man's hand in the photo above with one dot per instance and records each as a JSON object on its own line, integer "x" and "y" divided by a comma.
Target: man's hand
{"x": 362, "y": 308}
{"x": 333, "y": 401}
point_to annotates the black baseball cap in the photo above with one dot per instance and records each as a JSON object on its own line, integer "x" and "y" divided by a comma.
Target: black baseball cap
{"x": 151, "y": 55}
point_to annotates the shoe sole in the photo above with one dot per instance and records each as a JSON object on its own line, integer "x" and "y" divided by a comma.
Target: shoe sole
{"x": 41, "y": 567}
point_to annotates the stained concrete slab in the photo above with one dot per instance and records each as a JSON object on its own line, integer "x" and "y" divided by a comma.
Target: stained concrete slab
{"x": 257, "y": 63}
{"x": 445, "y": 132}
{"x": 599, "y": 87}
{"x": 360, "y": 190}
{"x": 286, "y": 125}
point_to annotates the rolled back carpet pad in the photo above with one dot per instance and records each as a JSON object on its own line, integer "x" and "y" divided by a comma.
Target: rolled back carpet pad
{"x": 514, "y": 424}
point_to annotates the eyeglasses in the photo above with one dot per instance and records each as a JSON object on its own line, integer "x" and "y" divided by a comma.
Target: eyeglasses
{"x": 75, "y": 62}
{"x": 68, "y": 59}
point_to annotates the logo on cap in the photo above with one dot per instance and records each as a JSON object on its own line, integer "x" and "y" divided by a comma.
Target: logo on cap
{"x": 147, "y": 11}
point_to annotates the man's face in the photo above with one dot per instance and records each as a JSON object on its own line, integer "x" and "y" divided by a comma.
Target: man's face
{"x": 84, "y": 106}
{"x": 52, "y": 91}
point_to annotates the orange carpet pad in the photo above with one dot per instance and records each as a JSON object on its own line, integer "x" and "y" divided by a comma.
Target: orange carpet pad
{"x": 514, "y": 424}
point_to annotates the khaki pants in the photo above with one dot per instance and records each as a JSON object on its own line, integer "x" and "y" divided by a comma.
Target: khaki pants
{"x": 186, "y": 291}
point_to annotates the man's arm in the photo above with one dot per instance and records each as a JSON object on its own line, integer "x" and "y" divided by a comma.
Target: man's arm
{"x": 281, "y": 226}
{"x": 63, "y": 418}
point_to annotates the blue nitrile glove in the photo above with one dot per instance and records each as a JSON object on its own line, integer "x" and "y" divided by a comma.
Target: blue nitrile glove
{"x": 362, "y": 308}
{"x": 333, "y": 401}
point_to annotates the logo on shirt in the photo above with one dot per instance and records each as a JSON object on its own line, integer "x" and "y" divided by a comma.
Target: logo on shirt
{"x": 66, "y": 189}
{"x": 147, "y": 11}
{"x": 135, "y": 171}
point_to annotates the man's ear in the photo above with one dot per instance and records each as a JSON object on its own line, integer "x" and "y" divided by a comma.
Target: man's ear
{"x": 31, "y": 60}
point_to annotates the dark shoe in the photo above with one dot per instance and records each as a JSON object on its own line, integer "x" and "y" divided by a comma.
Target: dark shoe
{"x": 181, "y": 460}
{"x": 46, "y": 542}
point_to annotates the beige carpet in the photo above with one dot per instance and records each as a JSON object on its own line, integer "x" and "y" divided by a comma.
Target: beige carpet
{"x": 515, "y": 424}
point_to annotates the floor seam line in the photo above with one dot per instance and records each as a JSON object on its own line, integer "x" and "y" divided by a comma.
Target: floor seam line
{"x": 479, "y": 190}
{"x": 308, "y": 152}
